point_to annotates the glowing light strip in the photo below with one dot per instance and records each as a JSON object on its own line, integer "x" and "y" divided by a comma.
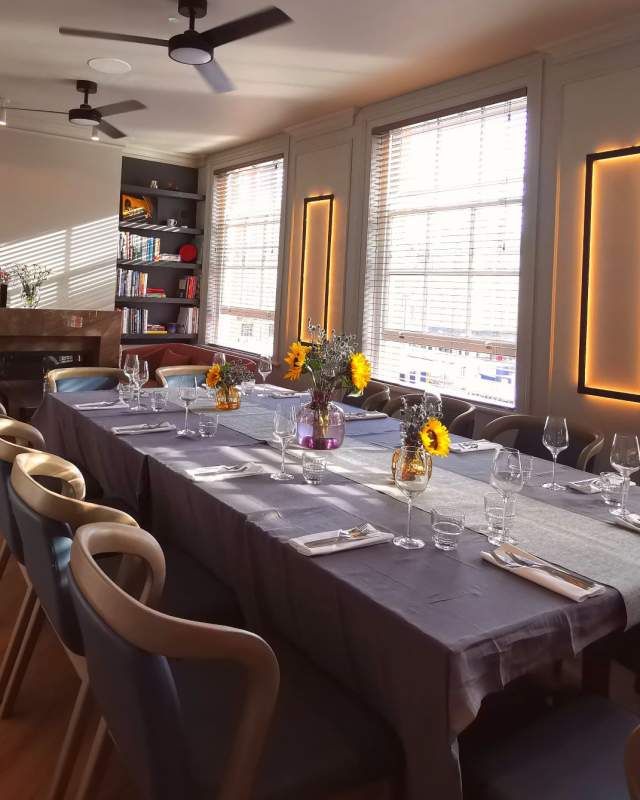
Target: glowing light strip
{"x": 327, "y": 199}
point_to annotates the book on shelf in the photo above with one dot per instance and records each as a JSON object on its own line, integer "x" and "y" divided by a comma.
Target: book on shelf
{"x": 170, "y": 257}
{"x": 131, "y": 283}
{"x": 154, "y": 292}
{"x": 134, "y": 320}
{"x": 189, "y": 287}
{"x": 132, "y": 247}
{"x": 188, "y": 319}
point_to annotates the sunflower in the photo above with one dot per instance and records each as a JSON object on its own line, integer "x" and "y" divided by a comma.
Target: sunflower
{"x": 360, "y": 371}
{"x": 295, "y": 358}
{"x": 213, "y": 376}
{"x": 435, "y": 437}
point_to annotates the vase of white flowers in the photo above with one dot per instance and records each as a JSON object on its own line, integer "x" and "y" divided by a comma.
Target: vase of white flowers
{"x": 31, "y": 277}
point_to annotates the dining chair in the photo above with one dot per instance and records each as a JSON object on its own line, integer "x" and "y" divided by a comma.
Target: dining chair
{"x": 524, "y": 432}
{"x": 84, "y": 379}
{"x": 3, "y": 411}
{"x": 374, "y": 398}
{"x": 587, "y": 749}
{"x": 176, "y": 376}
{"x": 458, "y": 415}
{"x": 201, "y": 711}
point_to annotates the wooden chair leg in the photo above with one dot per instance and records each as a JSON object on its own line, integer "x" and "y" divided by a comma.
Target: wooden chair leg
{"x": 96, "y": 764}
{"x": 71, "y": 744}
{"x": 5, "y": 555}
{"x": 17, "y": 638}
{"x": 22, "y": 661}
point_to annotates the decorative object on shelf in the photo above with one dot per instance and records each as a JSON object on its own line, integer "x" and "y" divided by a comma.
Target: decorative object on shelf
{"x": 188, "y": 253}
{"x": 224, "y": 380}
{"x": 31, "y": 278}
{"x": 171, "y": 185}
{"x": 423, "y": 431}
{"x": 153, "y": 184}
{"x": 333, "y": 363}
{"x": 135, "y": 207}
{"x": 172, "y": 223}
{"x": 5, "y": 277}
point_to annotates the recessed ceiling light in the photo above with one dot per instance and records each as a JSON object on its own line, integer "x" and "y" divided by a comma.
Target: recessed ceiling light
{"x": 110, "y": 66}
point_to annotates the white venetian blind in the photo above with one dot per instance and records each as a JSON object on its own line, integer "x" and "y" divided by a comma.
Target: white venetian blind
{"x": 243, "y": 268}
{"x": 443, "y": 251}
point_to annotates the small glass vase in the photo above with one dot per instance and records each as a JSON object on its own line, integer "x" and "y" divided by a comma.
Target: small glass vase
{"x": 227, "y": 398}
{"x": 320, "y": 424}
{"x": 416, "y": 467}
{"x": 30, "y": 299}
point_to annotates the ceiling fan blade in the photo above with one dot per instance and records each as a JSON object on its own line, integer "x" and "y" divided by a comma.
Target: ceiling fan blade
{"x": 39, "y": 110}
{"x": 246, "y": 26}
{"x": 116, "y": 37}
{"x": 216, "y": 77}
{"x": 121, "y": 108}
{"x": 114, "y": 133}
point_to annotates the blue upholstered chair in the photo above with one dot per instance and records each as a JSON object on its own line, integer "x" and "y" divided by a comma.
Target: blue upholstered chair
{"x": 201, "y": 711}
{"x": 84, "y": 379}
{"x": 180, "y": 376}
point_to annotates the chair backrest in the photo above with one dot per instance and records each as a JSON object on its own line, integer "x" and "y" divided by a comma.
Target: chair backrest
{"x": 84, "y": 379}
{"x": 524, "y": 432}
{"x": 178, "y": 376}
{"x": 3, "y": 411}
{"x": 374, "y": 398}
{"x": 15, "y": 438}
{"x": 458, "y": 415}
{"x": 127, "y": 644}
{"x": 47, "y": 521}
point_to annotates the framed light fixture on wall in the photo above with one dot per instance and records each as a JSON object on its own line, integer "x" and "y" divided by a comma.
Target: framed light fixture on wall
{"x": 315, "y": 267}
{"x": 609, "y": 354}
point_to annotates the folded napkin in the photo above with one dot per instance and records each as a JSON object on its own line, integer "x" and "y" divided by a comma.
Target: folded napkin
{"x": 304, "y": 544}
{"x": 354, "y": 416}
{"x": 134, "y": 430}
{"x": 547, "y": 579}
{"x": 588, "y": 486}
{"x": 100, "y": 404}
{"x": 631, "y": 522}
{"x": 223, "y": 472}
{"x": 473, "y": 446}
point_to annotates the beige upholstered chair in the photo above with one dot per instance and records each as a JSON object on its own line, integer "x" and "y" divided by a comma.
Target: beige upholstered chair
{"x": 84, "y": 379}
{"x": 176, "y": 376}
{"x": 374, "y": 398}
{"x": 524, "y": 432}
{"x": 458, "y": 415}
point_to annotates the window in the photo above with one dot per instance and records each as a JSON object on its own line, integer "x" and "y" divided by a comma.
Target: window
{"x": 243, "y": 268}
{"x": 443, "y": 251}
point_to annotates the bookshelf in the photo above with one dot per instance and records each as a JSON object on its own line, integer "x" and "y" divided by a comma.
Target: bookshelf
{"x": 140, "y": 243}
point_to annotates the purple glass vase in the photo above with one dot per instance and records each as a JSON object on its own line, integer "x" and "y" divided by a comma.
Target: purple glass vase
{"x": 320, "y": 423}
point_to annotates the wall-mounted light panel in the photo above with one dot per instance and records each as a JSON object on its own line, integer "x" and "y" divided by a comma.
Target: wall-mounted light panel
{"x": 315, "y": 269}
{"x": 609, "y": 356}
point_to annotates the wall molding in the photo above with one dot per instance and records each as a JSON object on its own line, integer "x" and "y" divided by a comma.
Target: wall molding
{"x": 603, "y": 38}
{"x": 177, "y": 159}
{"x": 321, "y": 125}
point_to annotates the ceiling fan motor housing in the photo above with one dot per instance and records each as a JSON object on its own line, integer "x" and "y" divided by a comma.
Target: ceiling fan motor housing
{"x": 190, "y": 48}
{"x": 85, "y": 115}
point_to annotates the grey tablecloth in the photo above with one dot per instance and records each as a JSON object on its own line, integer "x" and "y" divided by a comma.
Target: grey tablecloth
{"x": 421, "y": 636}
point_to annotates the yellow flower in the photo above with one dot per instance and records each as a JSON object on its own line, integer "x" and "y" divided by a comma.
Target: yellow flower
{"x": 360, "y": 371}
{"x": 435, "y": 437}
{"x": 295, "y": 358}
{"x": 213, "y": 376}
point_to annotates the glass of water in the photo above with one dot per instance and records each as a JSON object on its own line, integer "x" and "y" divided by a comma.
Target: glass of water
{"x": 611, "y": 484}
{"x": 248, "y": 388}
{"x": 447, "y": 524}
{"x": 159, "y": 399}
{"x": 313, "y": 468}
{"x": 207, "y": 425}
{"x": 500, "y": 513}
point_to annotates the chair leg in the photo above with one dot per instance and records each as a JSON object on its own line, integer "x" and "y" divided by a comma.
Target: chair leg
{"x": 17, "y": 637}
{"x": 22, "y": 661}
{"x": 71, "y": 744}
{"x": 5, "y": 555}
{"x": 96, "y": 764}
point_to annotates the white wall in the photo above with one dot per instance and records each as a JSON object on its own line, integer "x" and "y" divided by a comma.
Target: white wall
{"x": 59, "y": 207}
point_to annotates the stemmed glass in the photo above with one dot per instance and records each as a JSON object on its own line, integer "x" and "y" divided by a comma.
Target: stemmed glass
{"x": 412, "y": 478}
{"x": 265, "y": 367}
{"x": 187, "y": 392}
{"x": 139, "y": 379}
{"x": 555, "y": 438}
{"x": 130, "y": 367}
{"x": 284, "y": 430}
{"x": 625, "y": 459}
{"x": 220, "y": 359}
{"x": 506, "y": 478}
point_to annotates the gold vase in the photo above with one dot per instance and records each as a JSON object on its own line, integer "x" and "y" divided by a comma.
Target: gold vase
{"x": 416, "y": 467}
{"x": 227, "y": 398}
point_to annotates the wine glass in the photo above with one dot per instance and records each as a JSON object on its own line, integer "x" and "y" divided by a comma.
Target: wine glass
{"x": 625, "y": 459}
{"x": 187, "y": 392}
{"x": 412, "y": 478}
{"x": 265, "y": 367}
{"x": 130, "y": 366}
{"x": 219, "y": 358}
{"x": 507, "y": 477}
{"x": 284, "y": 430}
{"x": 555, "y": 438}
{"x": 139, "y": 379}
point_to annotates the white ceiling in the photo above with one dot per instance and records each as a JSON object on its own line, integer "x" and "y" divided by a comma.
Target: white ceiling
{"x": 336, "y": 54}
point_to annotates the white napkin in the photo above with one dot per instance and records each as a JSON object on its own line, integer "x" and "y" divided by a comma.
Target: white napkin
{"x": 478, "y": 444}
{"x": 588, "y": 486}
{"x": 355, "y": 416}
{"x": 102, "y": 404}
{"x": 223, "y": 472}
{"x": 134, "y": 430}
{"x": 545, "y": 579}
{"x": 300, "y": 542}
{"x": 631, "y": 522}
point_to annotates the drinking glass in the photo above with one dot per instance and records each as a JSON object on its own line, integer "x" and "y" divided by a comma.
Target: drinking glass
{"x": 555, "y": 438}
{"x": 159, "y": 399}
{"x": 139, "y": 379}
{"x": 265, "y": 368}
{"x": 124, "y": 392}
{"x": 611, "y": 488}
{"x": 248, "y": 388}
{"x": 506, "y": 476}
{"x": 207, "y": 425}
{"x": 284, "y": 430}
{"x": 412, "y": 478}
{"x": 625, "y": 459}
{"x": 500, "y": 513}
{"x": 527, "y": 469}
{"x": 447, "y": 524}
{"x": 130, "y": 368}
{"x": 187, "y": 392}
{"x": 220, "y": 359}
{"x": 313, "y": 468}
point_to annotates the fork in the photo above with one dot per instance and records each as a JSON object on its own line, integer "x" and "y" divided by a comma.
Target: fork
{"x": 514, "y": 561}
{"x": 353, "y": 534}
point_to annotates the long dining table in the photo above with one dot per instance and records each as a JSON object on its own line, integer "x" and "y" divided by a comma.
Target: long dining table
{"x": 421, "y": 637}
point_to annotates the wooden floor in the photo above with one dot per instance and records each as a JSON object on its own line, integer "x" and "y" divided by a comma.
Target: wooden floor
{"x": 30, "y": 740}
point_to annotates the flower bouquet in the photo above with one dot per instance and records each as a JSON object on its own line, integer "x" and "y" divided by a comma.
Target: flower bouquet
{"x": 421, "y": 428}
{"x": 31, "y": 278}
{"x": 224, "y": 380}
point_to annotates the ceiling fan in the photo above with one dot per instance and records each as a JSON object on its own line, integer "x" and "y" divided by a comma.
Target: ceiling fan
{"x": 88, "y": 116}
{"x": 196, "y": 47}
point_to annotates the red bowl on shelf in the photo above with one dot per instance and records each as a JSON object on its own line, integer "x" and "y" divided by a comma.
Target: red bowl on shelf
{"x": 188, "y": 253}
